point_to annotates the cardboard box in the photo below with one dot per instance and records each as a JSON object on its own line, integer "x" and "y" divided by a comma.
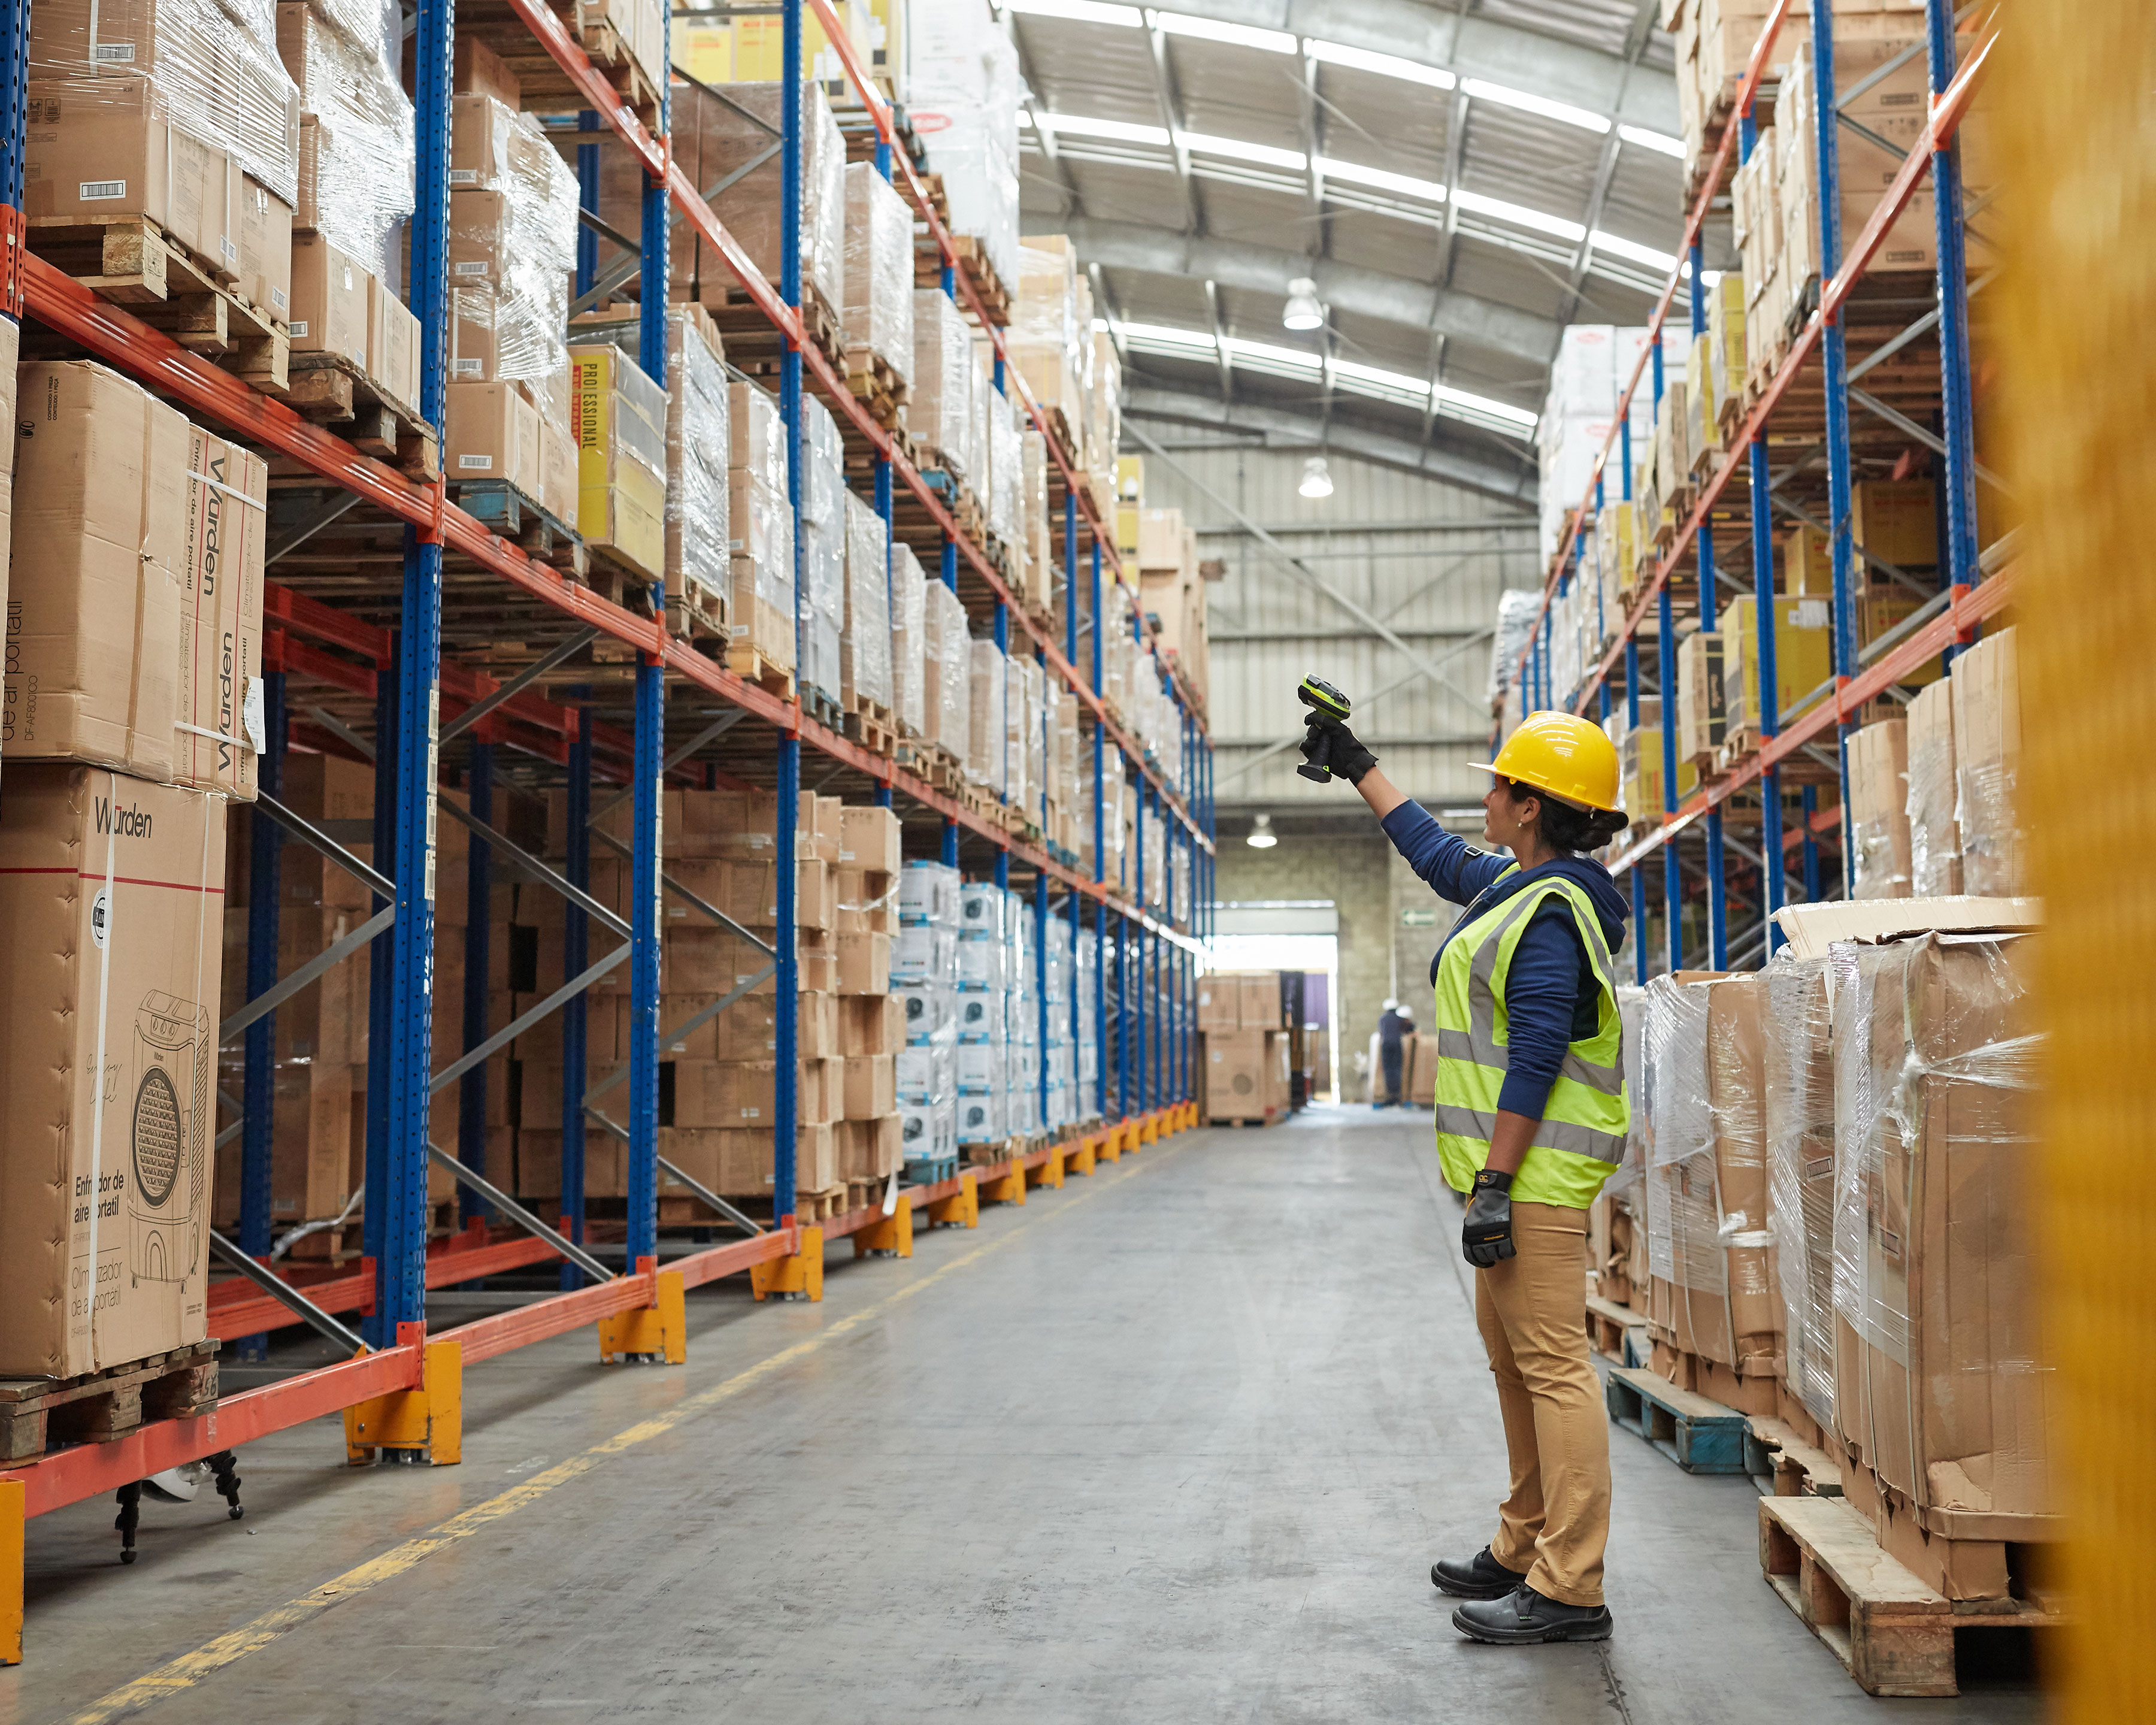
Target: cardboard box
{"x": 333, "y": 307}
{"x": 1897, "y": 520}
{"x": 111, "y": 946}
{"x": 265, "y": 249}
{"x": 1934, "y": 828}
{"x": 557, "y": 471}
{"x": 1219, "y": 997}
{"x": 1702, "y": 708}
{"x": 117, "y": 152}
{"x": 393, "y": 345}
{"x": 1804, "y": 657}
{"x": 869, "y": 1024}
{"x": 219, "y": 704}
{"x": 491, "y": 431}
{"x": 871, "y": 1088}
{"x": 618, "y": 424}
{"x": 1235, "y": 1076}
{"x": 94, "y": 643}
{"x": 1879, "y": 808}
{"x": 864, "y": 964}
{"x": 1943, "y": 1378}
{"x": 868, "y": 839}
{"x": 1986, "y": 730}
{"x": 1258, "y": 1001}
{"x": 1798, "y": 1074}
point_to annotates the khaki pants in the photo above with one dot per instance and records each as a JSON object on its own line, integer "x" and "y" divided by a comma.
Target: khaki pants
{"x": 1532, "y": 1312}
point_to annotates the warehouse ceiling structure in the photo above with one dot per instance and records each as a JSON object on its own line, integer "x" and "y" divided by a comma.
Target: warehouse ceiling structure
{"x": 1450, "y": 184}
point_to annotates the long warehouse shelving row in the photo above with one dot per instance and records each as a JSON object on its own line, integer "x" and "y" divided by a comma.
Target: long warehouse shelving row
{"x": 1803, "y": 406}
{"x": 398, "y": 626}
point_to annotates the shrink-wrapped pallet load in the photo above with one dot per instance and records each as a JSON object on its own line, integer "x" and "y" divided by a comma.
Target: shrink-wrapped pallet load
{"x": 1879, "y": 808}
{"x": 760, "y": 522}
{"x": 878, "y": 273}
{"x": 962, "y": 87}
{"x": 911, "y": 664}
{"x": 1987, "y": 728}
{"x": 949, "y": 684}
{"x": 941, "y": 411}
{"x": 1934, "y": 833}
{"x": 864, "y": 651}
{"x": 699, "y": 448}
{"x": 987, "y": 686}
{"x": 1798, "y": 1075}
{"x": 824, "y": 497}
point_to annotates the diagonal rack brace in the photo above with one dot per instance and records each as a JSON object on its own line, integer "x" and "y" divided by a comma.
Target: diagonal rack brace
{"x": 278, "y": 1288}
{"x": 509, "y": 1033}
{"x": 518, "y": 684}
{"x": 517, "y": 1213}
{"x": 680, "y": 891}
{"x": 536, "y": 868}
{"x": 271, "y": 998}
{"x": 687, "y": 1027}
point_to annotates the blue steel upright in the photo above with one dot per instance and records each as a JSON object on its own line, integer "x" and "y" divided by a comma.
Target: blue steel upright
{"x": 1957, "y": 409}
{"x": 648, "y": 750}
{"x": 264, "y": 889}
{"x": 785, "y": 1006}
{"x": 15, "y": 101}
{"x": 576, "y": 955}
{"x": 1834, "y": 355}
{"x": 479, "y": 892}
{"x": 588, "y": 199}
{"x": 1100, "y": 855}
{"x": 1764, "y": 600}
{"x": 400, "y": 1271}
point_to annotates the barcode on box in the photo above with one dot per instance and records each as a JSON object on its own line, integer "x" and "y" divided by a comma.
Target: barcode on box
{"x": 467, "y": 367}
{"x": 107, "y": 52}
{"x": 90, "y": 190}
{"x": 472, "y": 267}
{"x": 299, "y": 329}
{"x": 485, "y": 463}
{"x": 464, "y": 177}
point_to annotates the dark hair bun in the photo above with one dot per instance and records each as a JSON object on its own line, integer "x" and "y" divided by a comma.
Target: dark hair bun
{"x": 1578, "y": 829}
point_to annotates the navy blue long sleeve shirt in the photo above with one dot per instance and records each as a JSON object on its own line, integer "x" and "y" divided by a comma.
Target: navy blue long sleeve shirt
{"x": 1550, "y": 990}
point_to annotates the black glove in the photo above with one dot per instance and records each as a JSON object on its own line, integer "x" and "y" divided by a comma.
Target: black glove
{"x": 1486, "y": 1232}
{"x": 1330, "y": 743}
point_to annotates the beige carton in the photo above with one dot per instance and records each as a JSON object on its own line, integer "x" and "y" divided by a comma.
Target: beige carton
{"x": 94, "y": 643}
{"x": 110, "y": 892}
{"x": 220, "y": 725}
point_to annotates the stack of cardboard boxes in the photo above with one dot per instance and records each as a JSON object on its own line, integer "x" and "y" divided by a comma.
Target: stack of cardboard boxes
{"x": 1172, "y": 591}
{"x": 1243, "y": 1048}
{"x": 133, "y": 717}
{"x": 760, "y": 524}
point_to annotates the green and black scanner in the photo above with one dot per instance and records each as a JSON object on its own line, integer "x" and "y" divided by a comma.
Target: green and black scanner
{"x": 1323, "y": 698}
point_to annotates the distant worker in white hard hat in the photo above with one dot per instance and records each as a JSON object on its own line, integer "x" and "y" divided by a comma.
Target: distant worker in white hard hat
{"x": 1531, "y": 1117}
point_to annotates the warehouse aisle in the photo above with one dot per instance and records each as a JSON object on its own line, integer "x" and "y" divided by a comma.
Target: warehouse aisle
{"x": 1176, "y": 1444}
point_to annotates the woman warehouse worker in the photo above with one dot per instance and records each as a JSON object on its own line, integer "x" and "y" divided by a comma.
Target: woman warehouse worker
{"x": 1530, "y": 1121}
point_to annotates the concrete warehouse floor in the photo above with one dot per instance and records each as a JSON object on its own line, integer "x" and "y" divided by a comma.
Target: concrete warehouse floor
{"x": 1176, "y": 1444}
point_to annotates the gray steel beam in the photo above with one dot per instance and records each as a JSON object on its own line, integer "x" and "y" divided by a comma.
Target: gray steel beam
{"x": 1518, "y": 334}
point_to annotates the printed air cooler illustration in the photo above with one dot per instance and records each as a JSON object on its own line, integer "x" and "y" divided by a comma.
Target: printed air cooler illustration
{"x": 168, "y": 1101}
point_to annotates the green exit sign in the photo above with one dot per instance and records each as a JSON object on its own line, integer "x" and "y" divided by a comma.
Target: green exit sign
{"x": 1419, "y": 919}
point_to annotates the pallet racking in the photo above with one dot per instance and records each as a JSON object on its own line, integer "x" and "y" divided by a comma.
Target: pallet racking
{"x": 1808, "y": 402}
{"x": 397, "y": 624}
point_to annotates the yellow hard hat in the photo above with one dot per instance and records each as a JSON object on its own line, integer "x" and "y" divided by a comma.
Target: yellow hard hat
{"x": 1562, "y": 754}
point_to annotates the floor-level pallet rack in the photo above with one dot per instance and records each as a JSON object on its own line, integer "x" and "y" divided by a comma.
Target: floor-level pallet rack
{"x": 452, "y": 667}
{"x": 1809, "y": 402}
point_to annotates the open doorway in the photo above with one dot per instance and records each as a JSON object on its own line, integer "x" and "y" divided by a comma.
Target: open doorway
{"x": 1300, "y": 936}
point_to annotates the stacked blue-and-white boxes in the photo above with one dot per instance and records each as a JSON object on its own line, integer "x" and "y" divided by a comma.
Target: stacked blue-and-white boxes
{"x": 924, "y": 960}
{"x": 984, "y": 975}
{"x": 1060, "y": 1052}
{"x": 1088, "y": 1099}
{"x": 1022, "y": 1019}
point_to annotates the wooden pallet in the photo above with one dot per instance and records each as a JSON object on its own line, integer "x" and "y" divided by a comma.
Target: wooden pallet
{"x": 1700, "y": 1435}
{"x": 1608, "y": 1324}
{"x": 1785, "y": 1463}
{"x": 752, "y": 341}
{"x": 820, "y": 1205}
{"x": 129, "y": 260}
{"x": 39, "y": 1413}
{"x": 871, "y": 726}
{"x": 330, "y": 390}
{"x": 508, "y": 513}
{"x": 698, "y": 613}
{"x": 972, "y": 262}
{"x": 817, "y": 705}
{"x": 1892, "y": 1634}
{"x": 609, "y": 53}
{"x": 958, "y": 499}
{"x": 875, "y": 385}
{"x": 747, "y": 662}
{"x": 1272, "y": 1116}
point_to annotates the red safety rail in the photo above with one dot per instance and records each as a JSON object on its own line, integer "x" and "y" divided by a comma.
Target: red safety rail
{"x": 90, "y": 1469}
{"x": 238, "y": 1308}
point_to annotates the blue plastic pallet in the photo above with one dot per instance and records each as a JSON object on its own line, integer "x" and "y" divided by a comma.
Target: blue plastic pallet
{"x": 1700, "y": 1435}
{"x": 928, "y": 1171}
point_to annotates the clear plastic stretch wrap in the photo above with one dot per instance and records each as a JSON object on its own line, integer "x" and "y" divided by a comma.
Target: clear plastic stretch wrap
{"x": 1105, "y": 437}
{"x": 1934, "y": 834}
{"x": 1516, "y": 618}
{"x": 511, "y": 253}
{"x": 939, "y": 414}
{"x": 361, "y": 136}
{"x": 1046, "y": 340}
{"x": 699, "y": 446}
{"x": 952, "y": 650}
{"x": 879, "y": 269}
{"x": 1942, "y": 1381}
{"x": 987, "y": 690}
{"x": 1879, "y": 808}
{"x": 214, "y": 66}
{"x": 823, "y": 547}
{"x": 1632, "y": 1015}
{"x": 909, "y": 642}
{"x": 760, "y": 523}
{"x": 1006, "y": 497}
{"x": 1708, "y": 1238}
{"x": 865, "y": 649}
{"x": 1987, "y": 728}
{"x": 963, "y": 88}
{"x": 716, "y": 133}
{"x": 1799, "y": 1086}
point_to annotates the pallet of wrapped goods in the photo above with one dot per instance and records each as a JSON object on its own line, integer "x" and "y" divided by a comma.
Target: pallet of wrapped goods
{"x": 1803, "y": 662}
{"x": 760, "y": 522}
{"x": 941, "y": 413}
{"x": 909, "y": 655}
{"x": 1037, "y": 575}
{"x": 1702, "y": 706}
{"x": 822, "y": 545}
{"x": 1934, "y": 828}
{"x": 1987, "y": 734}
{"x": 878, "y": 276}
{"x": 987, "y": 690}
{"x": 698, "y": 447}
{"x": 618, "y": 418}
{"x": 1878, "y": 809}
{"x": 1046, "y": 342}
{"x": 864, "y": 654}
{"x": 1797, "y": 1075}
{"x": 962, "y": 92}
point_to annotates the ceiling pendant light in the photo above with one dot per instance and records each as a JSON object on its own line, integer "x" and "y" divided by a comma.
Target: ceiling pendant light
{"x": 1262, "y": 836}
{"x": 1303, "y": 312}
{"x": 1316, "y": 482}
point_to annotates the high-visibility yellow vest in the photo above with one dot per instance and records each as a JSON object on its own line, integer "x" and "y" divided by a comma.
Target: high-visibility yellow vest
{"x": 1581, "y": 1139}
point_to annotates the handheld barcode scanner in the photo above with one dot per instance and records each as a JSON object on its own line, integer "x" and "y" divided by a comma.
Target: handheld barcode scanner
{"x": 1321, "y": 696}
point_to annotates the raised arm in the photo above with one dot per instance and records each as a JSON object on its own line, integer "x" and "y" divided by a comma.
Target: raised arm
{"x": 1453, "y": 869}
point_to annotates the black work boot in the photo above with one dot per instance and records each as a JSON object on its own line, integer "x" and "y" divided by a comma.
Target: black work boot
{"x": 1525, "y": 1615}
{"x": 1481, "y": 1576}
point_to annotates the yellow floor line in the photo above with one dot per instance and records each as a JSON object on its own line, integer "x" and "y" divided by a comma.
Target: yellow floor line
{"x": 189, "y": 1669}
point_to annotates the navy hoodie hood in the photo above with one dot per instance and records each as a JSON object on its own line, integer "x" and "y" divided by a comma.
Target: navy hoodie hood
{"x": 1610, "y": 905}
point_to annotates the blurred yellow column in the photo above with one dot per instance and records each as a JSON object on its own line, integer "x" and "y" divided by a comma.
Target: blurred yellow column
{"x": 2073, "y": 333}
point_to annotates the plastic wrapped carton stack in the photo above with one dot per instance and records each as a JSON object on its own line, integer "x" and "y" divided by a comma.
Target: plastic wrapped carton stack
{"x": 987, "y": 738}
{"x": 1059, "y": 1050}
{"x": 760, "y": 520}
{"x": 878, "y": 272}
{"x": 924, "y": 967}
{"x": 1104, "y": 432}
{"x": 1172, "y": 591}
{"x": 619, "y": 415}
{"x": 871, "y": 1023}
{"x": 865, "y": 647}
{"x": 948, "y": 676}
{"x": 141, "y": 639}
{"x": 962, "y": 85}
{"x": 823, "y": 551}
{"x": 985, "y": 1053}
{"x": 1087, "y": 1103}
{"x": 699, "y": 445}
{"x": 909, "y": 644}
{"x": 1592, "y": 364}
{"x": 941, "y": 410}
{"x": 1051, "y": 348}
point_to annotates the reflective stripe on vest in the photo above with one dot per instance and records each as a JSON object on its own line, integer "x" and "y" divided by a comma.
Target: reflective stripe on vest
{"x": 1581, "y": 1137}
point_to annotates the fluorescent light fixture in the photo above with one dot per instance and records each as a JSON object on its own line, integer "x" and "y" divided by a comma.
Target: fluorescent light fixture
{"x": 1351, "y": 372}
{"x": 1303, "y": 312}
{"x": 1183, "y": 24}
{"x": 1652, "y": 141}
{"x": 1264, "y": 353}
{"x": 1101, "y": 326}
{"x": 1385, "y": 65}
{"x": 1504, "y": 410}
{"x": 1316, "y": 482}
{"x": 1520, "y": 214}
{"x": 1483, "y": 91}
{"x": 1353, "y": 173}
{"x": 1085, "y": 12}
{"x": 1633, "y": 252}
{"x": 1168, "y": 336}
{"x": 1235, "y": 150}
{"x": 1262, "y": 837}
{"x": 1123, "y": 131}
